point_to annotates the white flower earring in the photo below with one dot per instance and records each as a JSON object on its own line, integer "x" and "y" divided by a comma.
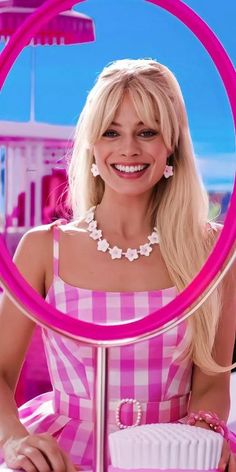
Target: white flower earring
{"x": 168, "y": 172}
{"x": 94, "y": 170}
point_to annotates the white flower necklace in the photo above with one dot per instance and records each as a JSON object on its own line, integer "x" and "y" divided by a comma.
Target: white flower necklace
{"x": 115, "y": 252}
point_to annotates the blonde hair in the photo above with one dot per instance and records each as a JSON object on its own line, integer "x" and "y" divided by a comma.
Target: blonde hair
{"x": 179, "y": 205}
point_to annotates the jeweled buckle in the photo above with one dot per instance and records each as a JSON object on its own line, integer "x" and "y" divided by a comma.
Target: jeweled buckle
{"x": 139, "y": 413}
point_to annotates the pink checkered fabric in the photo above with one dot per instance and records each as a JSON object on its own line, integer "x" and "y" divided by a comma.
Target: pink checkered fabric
{"x": 144, "y": 371}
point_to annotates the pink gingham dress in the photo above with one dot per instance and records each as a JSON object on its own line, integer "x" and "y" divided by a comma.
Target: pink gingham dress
{"x": 143, "y": 371}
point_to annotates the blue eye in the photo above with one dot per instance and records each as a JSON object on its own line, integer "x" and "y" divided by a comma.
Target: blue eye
{"x": 148, "y": 133}
{"x": 110, "y": 133}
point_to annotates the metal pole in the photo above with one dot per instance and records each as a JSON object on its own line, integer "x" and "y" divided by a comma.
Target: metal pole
{"x": 100, "y": 410}
{"x": 32, "y": 85}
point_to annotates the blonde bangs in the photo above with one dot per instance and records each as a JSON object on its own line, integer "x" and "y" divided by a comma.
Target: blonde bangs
{"x": 102, "y": 112}
{"x": 155, "y": 110}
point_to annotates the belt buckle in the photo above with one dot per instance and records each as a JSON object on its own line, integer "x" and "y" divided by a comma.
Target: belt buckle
{"x": 139, "y": 413}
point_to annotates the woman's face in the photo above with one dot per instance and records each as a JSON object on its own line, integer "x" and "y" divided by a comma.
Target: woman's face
{"x": 131, "y": 157}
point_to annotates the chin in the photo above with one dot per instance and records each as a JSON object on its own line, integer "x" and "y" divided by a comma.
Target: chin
{"x": 133, "y": 192}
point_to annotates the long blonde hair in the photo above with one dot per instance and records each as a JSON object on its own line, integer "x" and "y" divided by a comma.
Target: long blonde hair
{"x": 180, "y": 205}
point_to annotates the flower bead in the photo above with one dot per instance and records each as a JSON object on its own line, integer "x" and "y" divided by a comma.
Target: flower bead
{"x": 115, "y": 252}
{"x": 145, "y": 249}
{"x": 96, "y": 234}
{"x": 168, "y": 171}
{"x": 153, "y": 238}
{"x": 103, "y": 245}
{"x": 131, "y": 254}
{"x": 92, "y": 225}
{"x": 89, "y": 217}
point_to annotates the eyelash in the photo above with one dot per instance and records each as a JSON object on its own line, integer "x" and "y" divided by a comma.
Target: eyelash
{"x": 110, "y": 133}
{"x": 148, "y": 133}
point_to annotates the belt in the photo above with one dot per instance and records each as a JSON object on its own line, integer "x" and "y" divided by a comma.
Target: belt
{"x": 127, "y": 411}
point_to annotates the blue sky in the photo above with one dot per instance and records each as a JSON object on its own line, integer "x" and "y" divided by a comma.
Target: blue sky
{"x": 134, "y": 28}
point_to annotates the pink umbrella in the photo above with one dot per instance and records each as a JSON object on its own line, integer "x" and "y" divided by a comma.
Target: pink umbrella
{"x": 69, "y": 27}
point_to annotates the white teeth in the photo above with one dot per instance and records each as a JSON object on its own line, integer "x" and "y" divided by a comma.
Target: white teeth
{"x": 129, "y": 168}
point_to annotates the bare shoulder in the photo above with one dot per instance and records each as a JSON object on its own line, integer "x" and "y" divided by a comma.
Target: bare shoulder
{"x": 33, "y": 242}
{"x": 38, "y": 240}
{"x": 35, "y": 236}
{"x": 71, "y": 227}
{"x": 31, "y": 255}
{"x": 215, "y": 230}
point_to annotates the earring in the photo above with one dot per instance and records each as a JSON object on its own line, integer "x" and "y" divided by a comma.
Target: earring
{"x": 168, "y": 172}
{"x": 94, "y": 170}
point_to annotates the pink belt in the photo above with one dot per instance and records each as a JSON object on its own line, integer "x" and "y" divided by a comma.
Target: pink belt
{"x": 151, "y": 412}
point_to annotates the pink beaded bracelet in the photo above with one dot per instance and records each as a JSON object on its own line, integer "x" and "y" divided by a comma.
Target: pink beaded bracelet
{"x": 214, "y": 422}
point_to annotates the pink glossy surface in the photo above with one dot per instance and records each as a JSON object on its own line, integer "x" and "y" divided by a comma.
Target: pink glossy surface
{"x": 49, "y": 316}
{"x": 21, "y": 3}
{"x": 116, "y": 469}
{"x": 68, "y": 27}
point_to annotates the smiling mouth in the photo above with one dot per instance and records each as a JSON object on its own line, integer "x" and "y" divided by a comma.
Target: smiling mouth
{"x": 132, "y": 169}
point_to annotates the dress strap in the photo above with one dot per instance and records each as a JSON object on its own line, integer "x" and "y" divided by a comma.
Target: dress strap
{"x": 212, "y": 226}
{"x": 56, "y": 235}
{"x": 56, "y": 238}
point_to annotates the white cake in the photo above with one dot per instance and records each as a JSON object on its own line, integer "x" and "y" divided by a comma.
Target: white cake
{"x": 165, "y": 446}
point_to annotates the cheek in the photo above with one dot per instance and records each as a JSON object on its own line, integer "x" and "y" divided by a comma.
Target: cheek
{"x": 100, "y": 151}
{"x": 97, "y": 152}
{"x": 160, "y": 154}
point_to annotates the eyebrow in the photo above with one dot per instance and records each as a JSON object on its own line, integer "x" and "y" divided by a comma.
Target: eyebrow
{"x": 119, "y": 124}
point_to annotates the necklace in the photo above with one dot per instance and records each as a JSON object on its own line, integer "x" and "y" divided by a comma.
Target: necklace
{"x": 115, "y": 252}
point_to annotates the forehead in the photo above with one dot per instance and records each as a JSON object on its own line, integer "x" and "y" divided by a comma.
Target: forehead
{"x": 126, "y": 107}
{"x": 135, "y": 111}
{"x": 127, "y": 113}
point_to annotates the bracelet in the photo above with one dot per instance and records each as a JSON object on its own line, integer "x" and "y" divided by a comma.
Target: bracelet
{"x": 214, "y": 422}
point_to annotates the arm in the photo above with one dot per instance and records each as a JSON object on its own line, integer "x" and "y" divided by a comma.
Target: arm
{"x": 212, "y": 392}
{"x": 15, "y": 334}
{"x": 21, "y": 450}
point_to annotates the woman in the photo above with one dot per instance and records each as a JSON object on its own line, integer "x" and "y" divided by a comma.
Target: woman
{"x": 138, "y": 235}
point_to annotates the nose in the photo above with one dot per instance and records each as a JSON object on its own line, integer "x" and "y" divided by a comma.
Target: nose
{"x": 129, "y": 147}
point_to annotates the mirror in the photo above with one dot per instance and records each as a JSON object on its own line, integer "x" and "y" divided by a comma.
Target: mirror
{"x": 21, "y": 202}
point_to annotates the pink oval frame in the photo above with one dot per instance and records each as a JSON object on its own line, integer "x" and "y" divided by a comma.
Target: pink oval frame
{"x": 37, "y": 308}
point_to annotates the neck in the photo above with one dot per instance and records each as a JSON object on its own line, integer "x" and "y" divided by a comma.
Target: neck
{"x": 125, "y": 216}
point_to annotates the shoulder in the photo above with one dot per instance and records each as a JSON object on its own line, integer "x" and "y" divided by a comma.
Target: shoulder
{"x": 38, "y": 240}
{"x": 40, "y": 235}
{"x": 35, "y": 239}
{"x": 32, "y": 255}
{"x": 229, "y": 279}
{"x": 215, "y": 229}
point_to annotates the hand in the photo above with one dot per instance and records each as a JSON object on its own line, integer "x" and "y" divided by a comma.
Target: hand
{"x": 36, "y": 453}
{"x": 228, "y": 459}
